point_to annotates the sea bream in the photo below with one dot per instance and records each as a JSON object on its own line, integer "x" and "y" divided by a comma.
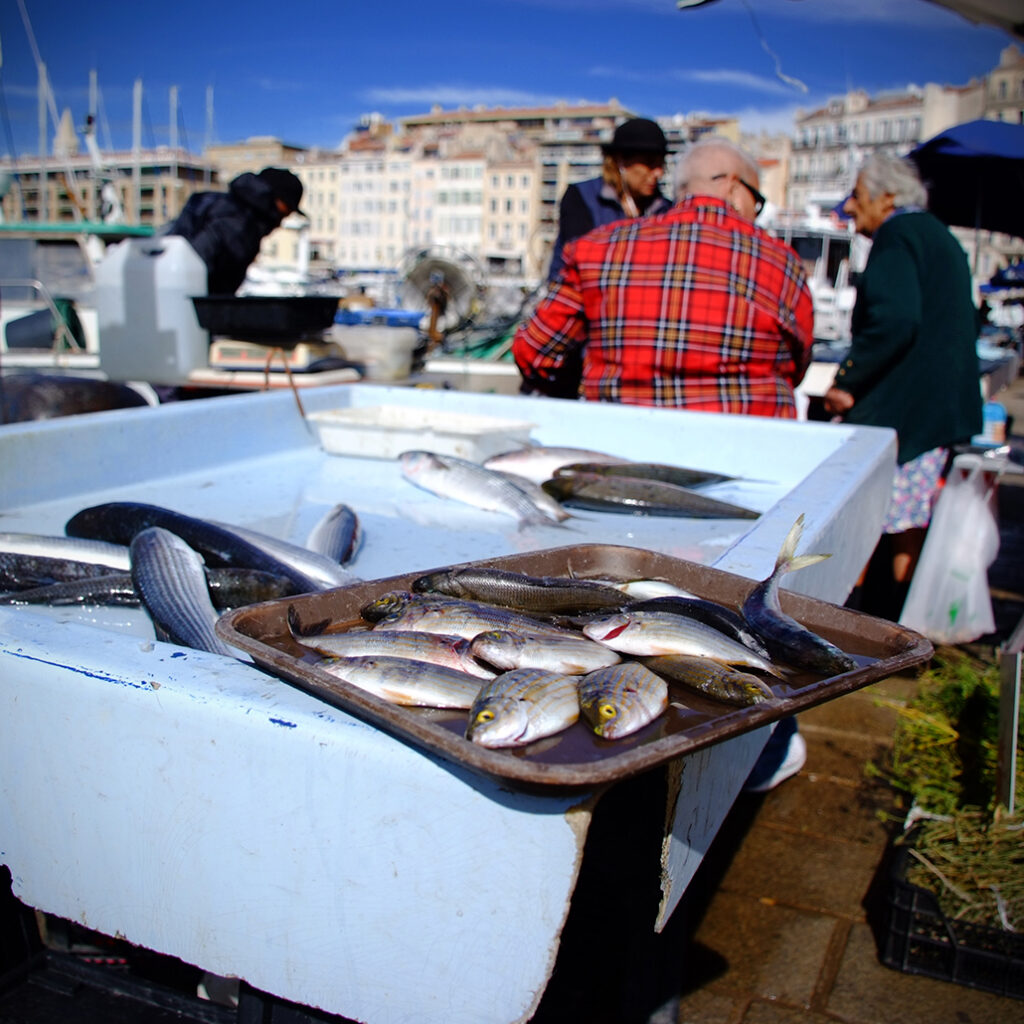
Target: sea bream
{"x": 712, "y": 678}
{"x": 621, "y": 699}
{"x": 521, "y": 706}
{"x": 645, "y": 634}
{"x": 782, "y": 634}
{"x": 471, "y": 484}
{"x": 569, "y": 655}
{"x": 406, "y": 682}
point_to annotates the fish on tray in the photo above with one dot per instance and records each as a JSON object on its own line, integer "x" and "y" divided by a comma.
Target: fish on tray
{"x": 549, "y": 595}
{"x": 518, "y": 707}
{"x": 629, "y": 495}
{"x": 783, "y": 635}
{"x": 471, "y": 484}
{"x": 405, "y": 681}
{"x": 712, "y": 678}
{"x": 569, "y": 655}
{"x": 645, "y": 634}
{"x": 725, "y": 620}
{"x": 621, "y": 699}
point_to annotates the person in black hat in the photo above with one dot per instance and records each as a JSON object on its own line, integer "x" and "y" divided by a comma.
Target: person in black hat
{"x": 226, "y": 228}
{"x": 629, "y": 185}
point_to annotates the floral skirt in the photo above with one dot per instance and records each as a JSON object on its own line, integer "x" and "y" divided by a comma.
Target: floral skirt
{"x": 915, "y": 488}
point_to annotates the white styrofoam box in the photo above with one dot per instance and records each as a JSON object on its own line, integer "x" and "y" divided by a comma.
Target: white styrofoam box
{"x": 385, "y": 431}
{"x": 386, "y": 352}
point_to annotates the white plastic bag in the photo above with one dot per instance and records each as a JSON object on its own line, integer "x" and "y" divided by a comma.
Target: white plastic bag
{"x": 949, "y": 600}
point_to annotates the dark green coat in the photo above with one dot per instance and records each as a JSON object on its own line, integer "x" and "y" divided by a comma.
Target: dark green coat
{"x": 913, "y": 364}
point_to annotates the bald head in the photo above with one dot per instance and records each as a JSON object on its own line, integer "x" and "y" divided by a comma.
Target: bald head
{"x": 714, "y": 167}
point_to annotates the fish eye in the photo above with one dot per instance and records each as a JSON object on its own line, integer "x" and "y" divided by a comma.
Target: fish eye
{"x": 607, "y": 711}
{"x": 485, "y": 716}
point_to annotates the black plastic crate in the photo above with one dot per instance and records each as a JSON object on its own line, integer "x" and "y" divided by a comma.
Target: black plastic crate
{"x": 920, "y": 939}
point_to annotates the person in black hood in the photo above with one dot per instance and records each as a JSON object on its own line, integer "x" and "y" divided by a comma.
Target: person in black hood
{"x": 226, "y": 228}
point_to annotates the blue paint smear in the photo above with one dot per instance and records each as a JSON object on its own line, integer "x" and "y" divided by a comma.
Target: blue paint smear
{"x": 281, "y": 721}
{"x": 81, "y": 671}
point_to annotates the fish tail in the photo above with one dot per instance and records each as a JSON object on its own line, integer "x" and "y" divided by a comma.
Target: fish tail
{"x": 788, "y": 560}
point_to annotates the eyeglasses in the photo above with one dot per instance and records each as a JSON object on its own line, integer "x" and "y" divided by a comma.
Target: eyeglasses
{"x": 759, "y": 200}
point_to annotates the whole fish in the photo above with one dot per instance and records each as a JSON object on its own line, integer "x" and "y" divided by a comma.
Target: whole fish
{"x": 628, "y": 495}
{"x": 540, "y": 462}
{"x": 460, "y": 480}
{"x": 120, "y": 521}
{"x": 405, "y": 681}
{"x": 648, "y": 633}
{"x": 550, "y": 595}
{"x": 521, "y": 706}
{"x": 533, "y": 490}
{"x": 711, "y": 678}
{"x": 725, "y": 620}
{"x": 436, "y": 648}
{"x": 569, "y": 655}
{"x": 337, "y": 535}
{"x": 621, "y": 699}
{"x": 171, "y": 583}
{"x": 434, "y": 614}
{"x": 782, "y": 634}
{"x": 678, "y": 475}
{"x": 73, "y": 549}
{"x": 322, "y": 570}
{"x": 20, "y": 571}
{"x": 229, "y": 588}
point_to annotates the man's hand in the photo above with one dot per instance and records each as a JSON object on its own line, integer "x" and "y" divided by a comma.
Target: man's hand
{"x": 837, "y": 402}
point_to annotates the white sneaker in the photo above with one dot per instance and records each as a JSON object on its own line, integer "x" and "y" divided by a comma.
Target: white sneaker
{"x": 796, "y": 757}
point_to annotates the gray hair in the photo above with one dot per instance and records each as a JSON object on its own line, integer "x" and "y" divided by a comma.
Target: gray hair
{"x": 885, "y": 174}
{"x": 703, "y": 158}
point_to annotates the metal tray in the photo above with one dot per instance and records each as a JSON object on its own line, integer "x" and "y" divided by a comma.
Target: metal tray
{"x": 577, "y": 757}
{"x": 282, "y": 321}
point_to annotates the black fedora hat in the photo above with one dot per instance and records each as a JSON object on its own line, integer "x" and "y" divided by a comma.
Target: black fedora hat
{"x": 639, "y": 135}
{"x": 285, "y": 186}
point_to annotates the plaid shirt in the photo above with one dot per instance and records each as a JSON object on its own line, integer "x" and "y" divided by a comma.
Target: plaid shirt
{"x": 696, "y": 308}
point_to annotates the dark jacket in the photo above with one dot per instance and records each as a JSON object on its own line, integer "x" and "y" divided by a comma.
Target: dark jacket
{"x": 587, "y": 205}
{"x": 913, "y": 363}
{"x": 226, "y": 228}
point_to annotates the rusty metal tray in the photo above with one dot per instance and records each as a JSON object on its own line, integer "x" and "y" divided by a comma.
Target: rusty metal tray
{"x": 578, "y": 758}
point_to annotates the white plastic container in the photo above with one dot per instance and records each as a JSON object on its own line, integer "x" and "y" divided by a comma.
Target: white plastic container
{"x": 147, "y": 323}
{"x": 385, "y": 431}
{"x": 385, "y": 352}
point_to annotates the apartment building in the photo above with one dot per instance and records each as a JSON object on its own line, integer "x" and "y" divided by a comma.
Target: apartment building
{"x": 1004, "y": 90}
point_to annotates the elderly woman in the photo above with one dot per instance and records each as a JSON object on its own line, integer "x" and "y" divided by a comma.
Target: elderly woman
{"x": 913, "y": 363}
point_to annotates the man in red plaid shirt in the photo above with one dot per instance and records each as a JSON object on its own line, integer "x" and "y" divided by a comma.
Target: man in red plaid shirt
{"x": 696, "y": 307}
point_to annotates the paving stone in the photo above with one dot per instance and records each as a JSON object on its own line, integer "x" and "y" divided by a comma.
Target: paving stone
{"x": 763, "y": 1012}
{"x": 707, "y": 1007}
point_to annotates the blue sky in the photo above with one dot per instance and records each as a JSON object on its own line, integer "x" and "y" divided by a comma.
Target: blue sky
{"x": 306, "y": 71}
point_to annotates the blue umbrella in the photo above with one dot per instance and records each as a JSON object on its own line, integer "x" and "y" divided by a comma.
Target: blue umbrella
{"x": 974, "y": 173}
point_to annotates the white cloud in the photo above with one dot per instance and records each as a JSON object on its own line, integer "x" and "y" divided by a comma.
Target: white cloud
{"x": 456, "y": 95}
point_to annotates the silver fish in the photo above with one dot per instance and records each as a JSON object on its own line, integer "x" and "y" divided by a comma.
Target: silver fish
{"x": 679, "y": 475}
{"x": 648, "y": 633}
{"x": 171, "y": 582}
{"x": 621, "y": 699}
{"x": 434, "y": 614}
{"x": 540, "y": 462}
{"x": 521, "y": 706}
{"x": 569, "y": 655}
{"x": 405, "y": 681}
{"x": 548, "y": 595}
{"x": 718, "y": 616}
{"x": 533, "y": 490}
{"x": 782, "y": 634}
{"x": 711, "y": 678}
{"x": 337, "y": 535}
{"x": 73, "y": 549}
{"x": 435, "y": 648}
{"x": 460, "y": 480}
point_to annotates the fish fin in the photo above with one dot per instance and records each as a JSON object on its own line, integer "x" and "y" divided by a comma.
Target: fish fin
{"x": 803, "y": 561}
{"x": 789, "y": 545}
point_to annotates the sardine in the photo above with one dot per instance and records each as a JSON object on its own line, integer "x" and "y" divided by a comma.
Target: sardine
{"x": 229, "y": 588}
{"x": 678, "y": 475}
{"x": 171, "y": 583}
{"x": 782, "y": 634}
{"x": 433, "y": 614}
{"x": 569, "y": 655}
{"x": 337, "y": 535}
{"x": 621, "y": 699}
{"x": 405, "y": 681}
{"x": 725, "y": 620}
{"x": 711, "y": 678}
{"x": 628, "y": 495}
{"x": 521, "y": 706}
{"x": 540, "y": 462}
{"x": 119, "y": 521}
{"x": 645, "y": 634}
{"x": 550, "y": 595}
{"x": 460, "y": 480}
